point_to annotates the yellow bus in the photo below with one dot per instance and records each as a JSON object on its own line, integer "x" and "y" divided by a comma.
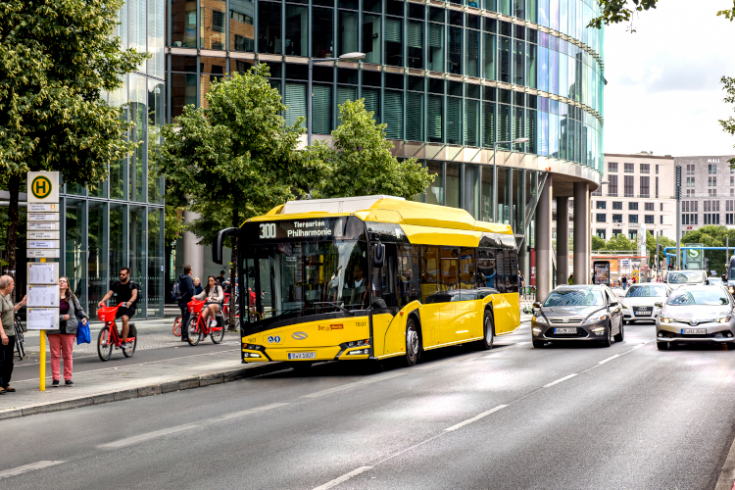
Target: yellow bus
{"x": 371, "y": 277}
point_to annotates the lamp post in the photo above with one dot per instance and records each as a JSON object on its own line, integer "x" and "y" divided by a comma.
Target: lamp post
{"x": 312, "y": 62}
{"x": 495, "y": 173}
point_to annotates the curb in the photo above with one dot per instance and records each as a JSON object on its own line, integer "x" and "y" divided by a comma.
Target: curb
{"x": 150, "y": 390}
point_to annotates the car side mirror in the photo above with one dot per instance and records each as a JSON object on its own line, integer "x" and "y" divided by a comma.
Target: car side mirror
{"x": 537, "y": 305}
{"x": 614, "y": 303}
{"x": 658, "y": 305}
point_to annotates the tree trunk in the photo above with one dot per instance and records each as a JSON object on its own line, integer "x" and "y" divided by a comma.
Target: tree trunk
{"x": 14, "y": 188}
{"x": 233, "y": 275}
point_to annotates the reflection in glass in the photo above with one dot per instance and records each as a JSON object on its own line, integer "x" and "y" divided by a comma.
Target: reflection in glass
{"x": 455, "y": 50}
{"x": 156, "y": 31}
{"x": 371, "y": 40}
{"x": 75, "y": 254}
{"x": 453, "y": 185}
{"x": 213, "y": 24}
{"x": 348, "y": 32}
{"x": 473, "y": 53}
{"x": 436, "y": 47}
{"x": 156, "y": 120}
{"x": 488, "y": 124}
{"x": 519, "y": 62}
{"x": 269, "y": 27}
{"x": 139, "y": 115}
{"x": 486, "y": 194}
{"x": 119, "y": 97}
{"x": 322, "y": 44}
{"x": 415, "y": 116}
{"x": 242, "y": 27}
{"x": 435, "y": 192}
{"x": 297, "y": 30}
{"x": 471, "y": 190}
{"x": 415, "y": 44}
{"x": 137, "y": 255}
{"x": 454, "y": 120}
{"x": 489, "y": 57}
{"x": 504, "y": 52}
{"x": 184, "y": 23}
{"x": 211, "y": 69}
{"x": 156, "y": 257}
{"x": 394, "y": 41}
{"x": 97, "y": 258}
{"x": 118, "y": 243}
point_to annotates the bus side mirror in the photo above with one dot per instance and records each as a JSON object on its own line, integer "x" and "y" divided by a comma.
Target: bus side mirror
{"x": 378, "y": 254}
{"x": 219, "y": 243}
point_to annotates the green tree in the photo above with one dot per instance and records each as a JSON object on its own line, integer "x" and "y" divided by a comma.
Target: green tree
{"x": 235, "y": 159}
{"x": 359, "y": 161}
{"x": 56, "y": 58}
{"x": 728, "y": 125}
{"x": 619, "y": 11}
{"x": 712, "y": 236}
{"x": 651, "y": 247}
{"x": 597, "y": 243}
{"x": 619, "y": 242}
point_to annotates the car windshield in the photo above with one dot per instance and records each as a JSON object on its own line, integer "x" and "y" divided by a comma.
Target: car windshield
{"x": 683, "y": 277}
{"x": 575, "y": 297}
{"x": 698, "y": 297}
{"x": 646, "y": 292}
{"x": 714, "y": 281}
{"x": 305, "y": 278}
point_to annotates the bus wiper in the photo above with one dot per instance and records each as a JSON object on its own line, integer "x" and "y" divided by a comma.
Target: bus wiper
{"x": 340, "y": 307}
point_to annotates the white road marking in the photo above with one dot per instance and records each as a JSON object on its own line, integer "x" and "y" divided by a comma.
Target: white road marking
{"x": 475, "y": 418}
{"x": 352, "y": 385}
{"x": 609, "y": 359}
{"x": 560, "y": 380}
{"x": 28, "y": 467}
{"x": 251, "y": 411}
{"x": 145, "y": 437}
{"x": 344, "y": 478}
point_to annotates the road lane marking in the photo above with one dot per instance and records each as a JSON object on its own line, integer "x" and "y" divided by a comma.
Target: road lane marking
{"x": 609, "y": 359}
{"x": 145, "y": 437}
{"x": 475, "y": 418}
{"x": 344, "y": 478}
{"x": 560, "y": 380}
{"x": 352, "y": 385}
{"x": 28, "y": 467}
{"x": 251, "y": 411}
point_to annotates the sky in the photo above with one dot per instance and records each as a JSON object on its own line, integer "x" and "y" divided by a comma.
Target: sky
{"x": 664, "y": 92}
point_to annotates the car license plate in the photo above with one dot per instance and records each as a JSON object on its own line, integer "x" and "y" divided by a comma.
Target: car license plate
{"x": 644, "y": 311}
{"x": 565, "y": 331}
{"x": 302, "y": 355}
{"x": 693, "y": 331}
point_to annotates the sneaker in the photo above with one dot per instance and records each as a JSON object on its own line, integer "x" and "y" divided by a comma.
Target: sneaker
{"x": 9, "y": 389}
{"x": 55, "y": 383}
{"x": 213, "y": 323}
{"x": 2, "y": 391}
{"x": 68, "y": 382}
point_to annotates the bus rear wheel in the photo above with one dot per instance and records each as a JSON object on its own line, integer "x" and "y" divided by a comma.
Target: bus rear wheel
{"x": 413, "y": 342}
{"x": 488, "y": 330}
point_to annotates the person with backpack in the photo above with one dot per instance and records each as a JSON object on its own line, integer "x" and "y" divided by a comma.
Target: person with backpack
{"x": 61, "y": 341}
{"x": 127, "y": 294}
{"x": 185, "y": 293}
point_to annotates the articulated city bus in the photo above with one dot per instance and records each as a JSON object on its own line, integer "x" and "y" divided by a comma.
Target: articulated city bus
{"x": 371, "y": 278}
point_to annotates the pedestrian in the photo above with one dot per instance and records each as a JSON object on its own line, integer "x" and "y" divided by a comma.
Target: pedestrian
{"x": 197, "y": 286}
{"x": 624, "y": 281}
{"x": 221, "y": 278}
{"x": 61, "y": 341}
{"x": 126, "y": 292}
{"x": 186, "y": 292}
{"x": 520, "y": 283}
{"x": 571, "y": 278}
{"x": 7, "y": 332}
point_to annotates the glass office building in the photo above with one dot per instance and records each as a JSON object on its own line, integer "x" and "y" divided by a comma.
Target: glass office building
{"x": 121, "y": 224}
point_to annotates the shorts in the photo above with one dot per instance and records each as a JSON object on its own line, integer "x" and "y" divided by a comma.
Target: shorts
{"x": 129, "y": 311}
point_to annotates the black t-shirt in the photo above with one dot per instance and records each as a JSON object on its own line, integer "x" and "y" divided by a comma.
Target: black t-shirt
{"x": 124, "y": 291}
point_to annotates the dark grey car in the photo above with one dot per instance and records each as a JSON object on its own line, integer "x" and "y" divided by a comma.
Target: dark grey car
{"x": 590, "y": 313}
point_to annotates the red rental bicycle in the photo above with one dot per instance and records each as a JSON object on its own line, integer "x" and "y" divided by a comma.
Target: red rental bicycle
{"x": 198, "y": 328}
{"x": 109, "y": 338}
{"x": 177, "y": 326}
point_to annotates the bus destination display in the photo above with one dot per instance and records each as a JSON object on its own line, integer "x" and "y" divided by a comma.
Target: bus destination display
{"x": 306, "y": 229}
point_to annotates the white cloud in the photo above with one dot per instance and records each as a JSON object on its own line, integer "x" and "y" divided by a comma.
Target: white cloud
{"x": 664, "y": 92}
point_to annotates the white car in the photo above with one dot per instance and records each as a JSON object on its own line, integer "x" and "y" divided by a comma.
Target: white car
{"x": 639, "y": 303}
{"x": 677, "y": 279}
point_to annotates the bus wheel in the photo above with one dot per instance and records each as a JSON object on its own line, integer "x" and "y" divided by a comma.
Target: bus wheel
{"x": 413, "y": 342}
{"x": 488, "y": 330}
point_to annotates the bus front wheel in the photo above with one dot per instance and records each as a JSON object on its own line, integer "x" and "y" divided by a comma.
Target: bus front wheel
{"x": 413, "y": 342}
{"x": 488, "y": 330}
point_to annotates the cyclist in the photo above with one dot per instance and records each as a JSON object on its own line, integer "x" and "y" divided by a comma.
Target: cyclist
{"x": 127, "y": 295}
{"x": 214, "y": 295}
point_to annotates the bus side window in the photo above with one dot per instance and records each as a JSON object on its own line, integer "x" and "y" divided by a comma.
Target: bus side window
{"x": 485, "y": 268}
{"x": 511, "y": 257}
{"x": 450, "y": 269}
{"x": 430, "y": 281}
{"x": 501, "y": 267}
{"x": 467, "y": 274}
{"x": 408, "y": 274}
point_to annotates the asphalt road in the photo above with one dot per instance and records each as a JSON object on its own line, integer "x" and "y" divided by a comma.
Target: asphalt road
{"x": 572, "y": 417}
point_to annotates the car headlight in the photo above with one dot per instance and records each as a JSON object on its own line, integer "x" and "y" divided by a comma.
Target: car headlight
{"x": 596, "y": 318}
{"x": 665, "y": 320}
{"x": 539, "y": 319}
{"x": 723, "y": 320}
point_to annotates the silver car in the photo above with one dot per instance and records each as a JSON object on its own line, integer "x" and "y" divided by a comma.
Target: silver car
{"x": 578, "y": 313}
{"x": 639, "y": 303}
{"x": 677, "y": 279}
{"x": 696, "y": 314}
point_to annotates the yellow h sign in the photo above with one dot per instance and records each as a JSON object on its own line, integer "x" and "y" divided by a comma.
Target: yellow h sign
{"x": 41, "y": 187}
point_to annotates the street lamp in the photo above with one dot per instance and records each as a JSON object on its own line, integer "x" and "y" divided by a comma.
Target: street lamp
{"x": 495, "y": 173}
{"x": 344, "y": 57}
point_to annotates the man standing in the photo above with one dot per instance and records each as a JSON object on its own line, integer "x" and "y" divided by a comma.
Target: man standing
{"x": 186, "y": 292}
{"x": 7, "y": 332}
{"x": 221, "y": 278}
{"x": 624, "y": 282}
{"x": 127, "y": 295}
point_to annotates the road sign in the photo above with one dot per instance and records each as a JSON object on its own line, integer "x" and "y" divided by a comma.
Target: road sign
{"x": 43, "y": 187}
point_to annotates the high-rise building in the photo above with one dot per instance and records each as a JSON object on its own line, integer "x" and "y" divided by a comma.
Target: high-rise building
{"x": 450, "y": 79}
{"x": 708, "y": 192}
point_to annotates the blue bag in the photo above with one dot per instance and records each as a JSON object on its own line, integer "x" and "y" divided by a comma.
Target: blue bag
{"x": 84, "y": 336}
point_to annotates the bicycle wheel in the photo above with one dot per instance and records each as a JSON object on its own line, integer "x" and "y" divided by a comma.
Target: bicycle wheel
{"x": 194, "y": 331}
{"x": 177, "y": 326}
{"x": 21, "y": 349}
{"x": 130, "y": 349}
{"x": 218, "y": 333}
{"x": 104, "y": 346}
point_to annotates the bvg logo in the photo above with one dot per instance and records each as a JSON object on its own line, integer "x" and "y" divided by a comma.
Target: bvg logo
{"x": 299, "y": 335}
{"x": 41, "y": 187}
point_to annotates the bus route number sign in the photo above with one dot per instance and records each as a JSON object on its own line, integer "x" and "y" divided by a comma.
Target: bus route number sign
{"x": 318, "y": 228}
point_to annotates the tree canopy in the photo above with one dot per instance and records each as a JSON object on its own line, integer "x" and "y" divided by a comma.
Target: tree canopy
{"x": 712, "y": 236}
{"x": 619, "y": 11}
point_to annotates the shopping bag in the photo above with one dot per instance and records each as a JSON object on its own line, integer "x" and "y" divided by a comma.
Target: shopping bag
{"x": 83, "y": 334}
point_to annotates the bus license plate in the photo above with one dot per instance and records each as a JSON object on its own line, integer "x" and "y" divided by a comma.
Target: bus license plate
{"x": 302, "y": 355}
{"x": 693, "y": 331}
{"x": 565, "y": 331}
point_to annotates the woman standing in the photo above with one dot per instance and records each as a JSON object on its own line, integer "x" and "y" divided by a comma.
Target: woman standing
{"x": 61, "y": 341}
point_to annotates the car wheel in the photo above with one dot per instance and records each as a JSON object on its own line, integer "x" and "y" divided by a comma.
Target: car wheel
{"x": 619, "y": 337}
{"x": 413, "y": 343}
{"x": 625, "y": 322}
{"x": 538, "y": 344}
{"x": 609, "y": 337}
{"x": 489, "y": 332}
{"x": 662, "y": 345}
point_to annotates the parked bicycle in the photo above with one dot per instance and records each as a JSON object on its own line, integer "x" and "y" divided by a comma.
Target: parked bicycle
{"x": 177, "y": 326}
{"x": 199, "y": 328}
{"x": 20, "y": 339}
{"x": 109, "y": 338}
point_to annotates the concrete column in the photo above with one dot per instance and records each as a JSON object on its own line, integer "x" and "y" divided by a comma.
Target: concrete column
{"x": 543, "y": 242}
{"x": 562, "y": 240}
{"x": 193, "y": 254}
{"x": 582, "y": 233}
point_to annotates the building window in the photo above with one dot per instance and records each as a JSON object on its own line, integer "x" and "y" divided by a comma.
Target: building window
{"x": 632, "y": 218}
{"x": 629, "y": 168}
{"x": 661, "y": 206}
{"x": 660, "y": 220}
{"x": 633, "y": 235}
{"x": 732, "y": 181}
{"x": 629, "y": 186}
{"x": 632, "y": 206}
{"x": 712, "y": 169}
{"x": 649, "y": 206}
{"x": 711, "y": 192}
{"x": 617, "y": 218}
{"x": 601, "y": 218}
{"x": 712, "y": 181}
{"x": 601, "y": 204}
{"x": 645, "y": 168}
{"x": 657, "y": 169}
{"x": 656, "y": 187}
{"x": 617, "y": 205}
{"x": 649, "y": 219}
{"x": 645, "y": 186}
{"x": 612, "y": 187}
{"x": 218, "y": 21}
{"x": 612, "y": 167}
{"x": 602, "y": 234}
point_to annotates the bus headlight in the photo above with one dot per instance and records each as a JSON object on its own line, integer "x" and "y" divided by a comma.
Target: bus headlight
{"x": 359, "y": 352}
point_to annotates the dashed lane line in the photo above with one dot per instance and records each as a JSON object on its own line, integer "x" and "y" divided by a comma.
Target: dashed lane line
{"x": 128, "y": 441}
{"x": 343, "y": 478}
{"x": 39, "y": 465}
{"x": 347, "y": 386}
{"x": 560, "y": 380}
{"x": 475, "y": 418}
{"x": 251, "y": 411}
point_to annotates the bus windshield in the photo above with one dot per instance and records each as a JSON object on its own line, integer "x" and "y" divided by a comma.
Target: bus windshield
{"x": 294, "y": 279}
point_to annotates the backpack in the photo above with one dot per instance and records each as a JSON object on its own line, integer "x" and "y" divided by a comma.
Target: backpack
{"x": 175, "y": 291}
{"x": 182, "y": 295}
{"x": 134, "y": 285}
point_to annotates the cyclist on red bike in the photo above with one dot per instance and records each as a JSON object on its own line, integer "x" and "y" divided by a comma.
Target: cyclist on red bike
{"x": 127, "y": 295}
{"x": 214, "y": 295}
